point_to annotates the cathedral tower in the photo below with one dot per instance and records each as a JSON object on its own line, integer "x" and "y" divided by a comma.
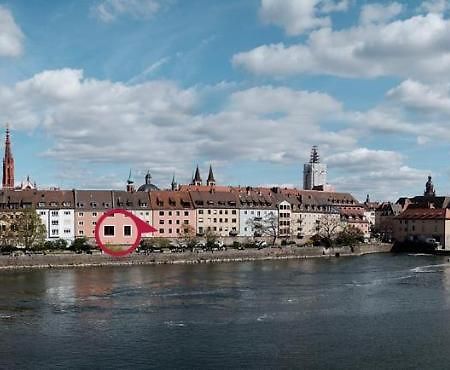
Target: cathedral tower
{"x": 8, "y": 164}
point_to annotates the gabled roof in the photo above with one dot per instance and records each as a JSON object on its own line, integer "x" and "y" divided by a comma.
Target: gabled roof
{"x": 424, "y": 214}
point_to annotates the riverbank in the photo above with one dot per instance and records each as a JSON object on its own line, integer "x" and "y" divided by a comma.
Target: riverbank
{"x": 230, "y": 255}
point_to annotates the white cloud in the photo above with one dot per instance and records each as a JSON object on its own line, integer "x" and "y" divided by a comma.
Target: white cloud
{"x": 297, "y": 17}
{"x": 110, "y": 10}
{"x": 11, "y": 36}
{"x": 418, "y": 96}
{"x": 379, "y": 13}
{"x": 434, "y": 6}
{"x": 156, "y": 124}
{"x": 418, "y": 47}
{"x": 383, "y": 174}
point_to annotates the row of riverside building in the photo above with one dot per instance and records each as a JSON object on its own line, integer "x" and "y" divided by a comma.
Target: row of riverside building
{"x": 227, "y": 211}
{"x": 69, "y": 214}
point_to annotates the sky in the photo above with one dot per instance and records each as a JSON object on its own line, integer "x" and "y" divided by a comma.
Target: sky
{"x": 92, "y": 89}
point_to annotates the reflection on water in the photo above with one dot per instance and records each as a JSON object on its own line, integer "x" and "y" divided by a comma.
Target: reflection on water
{"x": 366, "y": 312}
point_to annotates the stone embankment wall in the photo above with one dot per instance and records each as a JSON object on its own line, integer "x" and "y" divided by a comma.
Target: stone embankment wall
{"x": 230, "y": 255}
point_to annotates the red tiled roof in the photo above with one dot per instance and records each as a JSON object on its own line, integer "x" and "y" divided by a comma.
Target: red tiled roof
{"x": 425, "y": 214}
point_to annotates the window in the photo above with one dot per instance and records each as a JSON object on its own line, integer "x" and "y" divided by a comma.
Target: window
{"x": 94, "y": 222}
{"x": 55, "y": 222}
{"x": 161, "y": 222}
{"x": 81, "y": 223}
{"x": 80, "y": 232}
{"x": 54, "y": 213}
{"x": 108, "y": 230}
{"x": 54, "y": 232}
{"x": 67, "y": 213}
{"x": 178, "y": 212}
{"x": 233, "y": 220}
{"x": 209, "y": 211}
{"x": 178, "y": 231}
{"x": 80, "y": 214}
{"x": 170, "y": 213}
{"x": 200, "y": 220}
{"x": 146, "y": 213}
{"x": 220, "y": 212}
{"x": 161, "y": 213}
{"x": 226, "y": 212}
{"x": 186, "y": 213}
{"x": 170, "y": 231}
{"x": 186, "y": 222}
{"x": 161, "y": 231}
{"x": 220, "y": 220}
{"x": 66, "y": 231}
{"x": 170, "y": 222}
{"x": 94, "y": 214}
{"x": 127, "y": 230}
{"x": 200, "y": 212}
{"x": 178, "y": 222}
{"x": 42, "y": 213}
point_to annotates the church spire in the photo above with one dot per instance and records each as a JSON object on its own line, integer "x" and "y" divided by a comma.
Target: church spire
{"x": 174, "y": 183}
{"x": 130, "y": 183}
{"x": 197, "y": 180}
{"x": 8, "y": 163}
{"x": 211, "y": 181}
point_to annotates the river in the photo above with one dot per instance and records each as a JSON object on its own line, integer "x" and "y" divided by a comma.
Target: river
{"x": 376, "y": 311}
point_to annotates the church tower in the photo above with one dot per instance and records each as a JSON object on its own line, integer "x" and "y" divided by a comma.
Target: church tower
{"x": 130, "y": 183}
{"x": 8, "y": 164}
{"x": 314, "y": 172}
{"x": 211, "y": 181}
{"x": 196, "y": 180}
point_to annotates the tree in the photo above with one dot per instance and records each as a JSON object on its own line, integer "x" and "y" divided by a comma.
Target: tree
{"x": 211, "y": 238}
{"x": 58, "y": 244}
{"x": 329, "y": 226}
{"x": 80, "y": 245}
{"x": 350, "y": 236}
{"x": 188, "y": 237}
{"x": 28, "y": 229}
{"x": 7, "y": 237}
{"x": 266, "y": 226}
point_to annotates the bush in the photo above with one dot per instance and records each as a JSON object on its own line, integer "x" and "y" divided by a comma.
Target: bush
{"x": 7, "y": 249}
{"x": 80, "y": 245}
{"x": 59, "y": 244}
{"x": 350, "y": 236}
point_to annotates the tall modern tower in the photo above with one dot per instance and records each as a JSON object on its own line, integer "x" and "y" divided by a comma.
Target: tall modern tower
{"x": 314, "y": 172}
{"x": 8, "y": 164}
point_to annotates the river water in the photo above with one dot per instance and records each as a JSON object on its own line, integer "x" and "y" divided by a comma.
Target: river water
{"x": 377, "y": 311}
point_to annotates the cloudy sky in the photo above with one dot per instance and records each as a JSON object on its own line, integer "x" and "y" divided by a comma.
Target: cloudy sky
{"x": 94, "y": 88}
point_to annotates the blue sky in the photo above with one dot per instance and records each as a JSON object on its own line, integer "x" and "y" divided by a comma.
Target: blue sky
{"x": 93, "y": 88}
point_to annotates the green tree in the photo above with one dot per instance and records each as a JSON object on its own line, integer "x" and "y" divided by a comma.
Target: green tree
{"x": 211, "y": 238}
{"x": 7, "y": 237}
{"x": 350, "y": 236}
{"x": 28, "y": 229}
{"x": 80, "y": 245}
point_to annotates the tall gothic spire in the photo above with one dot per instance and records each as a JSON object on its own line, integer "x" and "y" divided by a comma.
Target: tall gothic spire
{"x": 211, "y": 181}
{"x": 197, "y": 180}
{"x": 8, "y": 163}
{"x": 174, "y": 183}
{"x": 130, "y": 183}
